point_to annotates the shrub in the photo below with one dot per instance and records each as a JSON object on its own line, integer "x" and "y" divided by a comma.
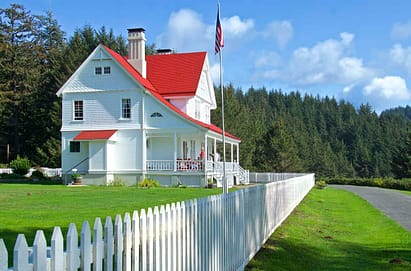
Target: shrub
{"x": 117, "y": 182}
{"x": 38, "y": 174}
{"x": 148, "y": 183}
{"x": 320, "y": 184}
{"x": 403, "y": 184}
{"x": 20, "y": 165}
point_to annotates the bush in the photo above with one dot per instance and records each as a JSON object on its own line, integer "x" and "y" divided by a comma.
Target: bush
{"x": 38, "y": 174}
{"x": 320, "y": 184}
{"x": 117, "y": 182}
{"x": 20, "y": 166}
{"x": 403, "y": 184}
{"x": 148, "y": 183}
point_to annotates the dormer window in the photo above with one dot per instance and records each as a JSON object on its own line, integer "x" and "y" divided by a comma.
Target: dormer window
{"x": 102, "y": 70}
{"x": 97, "y": 70}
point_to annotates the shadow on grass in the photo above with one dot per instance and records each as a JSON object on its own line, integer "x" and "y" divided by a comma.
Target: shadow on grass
{"x": 284, "y": 254}
{"x": 51, "y": 181}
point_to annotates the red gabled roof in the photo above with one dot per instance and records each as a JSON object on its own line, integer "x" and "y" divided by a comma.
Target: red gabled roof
{"x": 175, "y": 74}
{"x": 95, "y": 135}
{"x": 130, "y": 69}
{"x": 189, "y": 59}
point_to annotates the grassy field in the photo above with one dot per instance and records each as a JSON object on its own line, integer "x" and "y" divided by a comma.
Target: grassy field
{"x": 336, "y": 230}
{"x": 27, "y": 208}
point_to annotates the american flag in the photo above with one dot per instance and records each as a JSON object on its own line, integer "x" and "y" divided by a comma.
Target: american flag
{"x": 219, "y": 40}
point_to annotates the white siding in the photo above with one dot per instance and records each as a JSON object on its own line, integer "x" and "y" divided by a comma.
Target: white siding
{"x": 86, "y": 80}
{"x": 102, "y": 110}
{"x": 71, "y": 159}
{"x": 127, "y": 155}
{"x": 169, "y": 118}
{"x": 97, "y": 155}
{"x": 160, "y": 148}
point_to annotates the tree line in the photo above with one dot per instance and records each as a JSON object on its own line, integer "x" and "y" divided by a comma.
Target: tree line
{"x": 291, "y": 132}
{"x": 280, "y": 131}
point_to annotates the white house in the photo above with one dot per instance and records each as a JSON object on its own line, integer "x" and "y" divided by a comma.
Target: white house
{"x": 144, "y": 117}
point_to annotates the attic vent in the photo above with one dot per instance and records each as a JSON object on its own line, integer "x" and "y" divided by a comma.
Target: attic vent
{"x": 156, "y": 115}
{"x": 164, "y": 51}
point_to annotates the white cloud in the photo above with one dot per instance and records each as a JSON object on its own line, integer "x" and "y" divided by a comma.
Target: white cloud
{"x": 401, "y": 31}
{"x": 266, "y": 59}
{"x": 401, "y": 56}
{"x": 326, "y": 62}
{"x": 236, "y": 27}
{"x": 280, "y": 31}
{"x": 388, "y": 87}
{"x": 186, "y": 31}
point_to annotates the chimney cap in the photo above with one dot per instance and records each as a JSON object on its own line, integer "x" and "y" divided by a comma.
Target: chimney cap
{"x": 165, "y": 51}
{"x": 136, "y": 30}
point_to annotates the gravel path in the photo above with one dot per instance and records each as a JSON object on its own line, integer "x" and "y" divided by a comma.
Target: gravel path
{"x": 392, "y": 203}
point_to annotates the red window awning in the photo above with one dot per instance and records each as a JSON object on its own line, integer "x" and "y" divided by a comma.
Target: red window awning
{"x": 95, "y": 135}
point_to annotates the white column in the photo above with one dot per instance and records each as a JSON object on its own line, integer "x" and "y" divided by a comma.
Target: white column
{"x": 238, "y": 154}
{"x": 175, "y": 152}
{"x": 232, "y": 152}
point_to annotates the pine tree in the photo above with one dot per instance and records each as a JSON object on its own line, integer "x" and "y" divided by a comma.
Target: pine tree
{"x": 401, "y": 162}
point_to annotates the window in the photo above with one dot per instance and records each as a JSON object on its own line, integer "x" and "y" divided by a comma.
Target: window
{"x": 74, "y": 146}
{"x": 197, "y": 110}
{"x": 107, "y": 70}
{"x": 156, "y": 115}
{"x": 97, "y": 70}
{"x": 126, "y": 108}
{"x": 78, "y": 110}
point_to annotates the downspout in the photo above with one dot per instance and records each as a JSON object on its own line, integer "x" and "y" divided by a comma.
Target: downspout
{"x": 143, "y": 140}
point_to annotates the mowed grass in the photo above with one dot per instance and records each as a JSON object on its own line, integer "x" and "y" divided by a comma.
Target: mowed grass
{"x": 27, "y": 208}
{"x": 336, "y": 230}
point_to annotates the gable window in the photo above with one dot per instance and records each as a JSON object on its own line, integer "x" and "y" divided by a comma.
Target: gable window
{"x": 198, "y": 110}
{"x": 97, "y": 70}
{"x": 156, "y": 115}
{"x": 78, "y": 110}
{"x": 107, "y": 70}
{"x": 74, "y": 146}
{"x": 126, "y": 108}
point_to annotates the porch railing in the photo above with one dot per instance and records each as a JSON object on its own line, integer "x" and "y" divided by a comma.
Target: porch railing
{"x": 180, "y": 165}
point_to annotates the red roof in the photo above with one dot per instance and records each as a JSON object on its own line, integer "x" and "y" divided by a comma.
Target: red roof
{"x": 175, "y": 74}
{"x": 95, "y": 135}
{"x": 190, "y": 64}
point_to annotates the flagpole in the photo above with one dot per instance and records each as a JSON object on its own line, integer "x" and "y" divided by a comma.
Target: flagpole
{"x": 225, "y": 185}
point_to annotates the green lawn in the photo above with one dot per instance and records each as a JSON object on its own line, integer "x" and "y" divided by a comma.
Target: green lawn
{"x": 335, "y": 230}
{"x": 27, "y": 208}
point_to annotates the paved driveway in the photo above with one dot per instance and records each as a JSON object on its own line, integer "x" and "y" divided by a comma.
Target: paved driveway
{"x": 394, "y": 204}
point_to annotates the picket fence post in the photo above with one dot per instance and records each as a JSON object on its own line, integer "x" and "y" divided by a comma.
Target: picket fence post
{"x": 135, "y": 229}
{"x": 108, "y": 244}
{"x": 85, "y": 247}
{"x": 127, "y": 242}
{"x": 98, "y": 245}
{"x": 4, "y": 261}
{"x": 118, "y": 243}
{"x": 39, "y": 252}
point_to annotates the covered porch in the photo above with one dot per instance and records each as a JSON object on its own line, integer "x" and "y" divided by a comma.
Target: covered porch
{"x": 193, "y": 154}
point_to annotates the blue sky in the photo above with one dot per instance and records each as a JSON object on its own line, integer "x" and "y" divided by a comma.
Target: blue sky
{"x": 356, "y": 50}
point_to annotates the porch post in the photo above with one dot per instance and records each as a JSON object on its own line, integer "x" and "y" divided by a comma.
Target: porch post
{"x": 238, "y": 154}
{"x": 232, "y": 152}
{"x": 215, "y": 146}
{"x": 175, "y": 152}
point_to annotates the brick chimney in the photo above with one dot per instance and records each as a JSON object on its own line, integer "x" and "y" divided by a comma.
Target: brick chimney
{"x": 136, "y": 50}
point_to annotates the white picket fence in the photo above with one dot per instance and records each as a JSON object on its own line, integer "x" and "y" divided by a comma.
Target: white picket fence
{"x": 268, "y": 177}
{"x": 221, "y": 232}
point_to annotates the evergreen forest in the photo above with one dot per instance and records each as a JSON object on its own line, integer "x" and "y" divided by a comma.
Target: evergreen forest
{"x": 280, "y": 132}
